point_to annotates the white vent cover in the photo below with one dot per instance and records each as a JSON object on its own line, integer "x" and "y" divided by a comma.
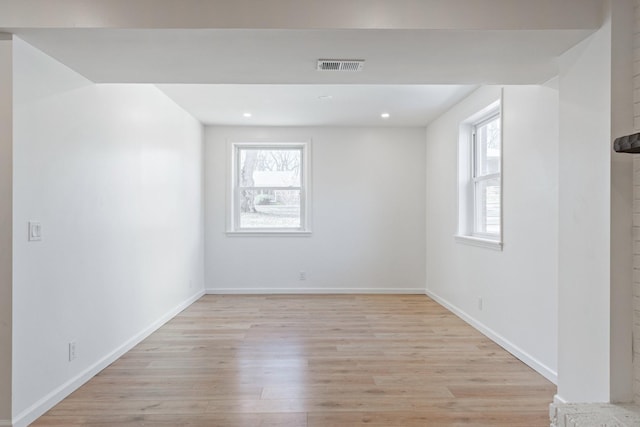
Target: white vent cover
{"x": 340, "y": 64}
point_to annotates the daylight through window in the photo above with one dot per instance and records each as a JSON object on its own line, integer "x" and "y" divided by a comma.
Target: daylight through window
{"x": 486, "y": 177}
{"x": 270, "y": 187}
{"x": 480, "y": 179}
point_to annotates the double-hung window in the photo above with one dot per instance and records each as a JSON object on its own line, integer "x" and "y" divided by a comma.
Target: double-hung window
{"x": 270, "y": 188}
{"x": 480, "y": 179}
{"x": 486, "y": 177}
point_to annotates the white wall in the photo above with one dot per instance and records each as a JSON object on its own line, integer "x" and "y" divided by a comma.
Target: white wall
{"x": 594, "y": 215}
{"x": 518, "y": 286}
{"x": 6, "y": 208}
{"x": 113, "y": 172}
{"x": 368, "y": 207}
{"x": 584, "y": 221}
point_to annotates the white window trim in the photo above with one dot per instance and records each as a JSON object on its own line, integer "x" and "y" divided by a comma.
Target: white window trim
{"x": 466, "y": 177}
{"x": 305, "y": 190}
{"x": 478, "y": 241}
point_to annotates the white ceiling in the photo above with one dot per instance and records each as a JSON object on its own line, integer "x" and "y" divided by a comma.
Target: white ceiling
{"x": 217, "y": 74}
{"x": 316, "y": 105}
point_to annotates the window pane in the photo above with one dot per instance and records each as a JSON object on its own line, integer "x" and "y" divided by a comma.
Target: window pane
{"x": 488, "y": 206}
{"x": 269, "y": 168}
{"x": 488, "y": 147}
{"x": 269, "y": 209}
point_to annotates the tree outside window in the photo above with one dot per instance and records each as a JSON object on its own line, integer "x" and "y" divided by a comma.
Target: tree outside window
{"x": 269, "y": 191}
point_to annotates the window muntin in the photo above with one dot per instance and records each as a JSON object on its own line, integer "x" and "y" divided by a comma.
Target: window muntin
{"x": 269, "y": 190}
{"x": 486, "y": 152}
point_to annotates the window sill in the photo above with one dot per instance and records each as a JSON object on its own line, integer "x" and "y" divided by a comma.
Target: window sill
{"x": 496, "y": 245}
{"x": 265, "y": 233}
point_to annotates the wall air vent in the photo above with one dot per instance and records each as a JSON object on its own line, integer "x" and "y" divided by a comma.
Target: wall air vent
{"x": 340, "y": 64}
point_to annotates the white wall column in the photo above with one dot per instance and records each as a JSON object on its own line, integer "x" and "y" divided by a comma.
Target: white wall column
{"x": 594, "y": 321}
{"x": 584, "y": 218}
{"x": 6, "y": 214}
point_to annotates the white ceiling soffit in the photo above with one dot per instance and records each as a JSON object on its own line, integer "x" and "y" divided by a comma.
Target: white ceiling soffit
{"x": 290, "y": 56}
{"x": 316, "y": 105}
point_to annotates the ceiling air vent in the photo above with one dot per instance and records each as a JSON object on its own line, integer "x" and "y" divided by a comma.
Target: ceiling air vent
{"x": 340, "y": 64}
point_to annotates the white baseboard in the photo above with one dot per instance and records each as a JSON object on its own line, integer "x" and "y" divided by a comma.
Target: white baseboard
{"x": 531, "y": 361}
{"x": 293, "y": 291}
{"x": 50, "y": 400}
{"x": 4, "y": 423}
{"x": 558, "y": 400}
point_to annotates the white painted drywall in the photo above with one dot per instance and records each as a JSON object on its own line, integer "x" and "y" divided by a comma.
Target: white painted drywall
{"x": 584, "y": 221}
{"x": 368, "y": 204}
{"x": 114, "y": 175}
{"x": 518, "y": 285}
{"x": 6, "y": 231}
{"x": 295, "y": 14}
{"x": 594, "y": 327}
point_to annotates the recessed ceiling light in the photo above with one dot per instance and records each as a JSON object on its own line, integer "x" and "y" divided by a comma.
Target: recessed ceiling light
{"x": 325, "y": 97}
{"x": 385, "y": 115}
{"x": 247, "y": 114}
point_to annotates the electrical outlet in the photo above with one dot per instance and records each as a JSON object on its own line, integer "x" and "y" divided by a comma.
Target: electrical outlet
{"x": 480, "y": 303}
{"x": 35, "y": 231}
{"x": 72, "y": 350}
{"x": 302, "y": 275}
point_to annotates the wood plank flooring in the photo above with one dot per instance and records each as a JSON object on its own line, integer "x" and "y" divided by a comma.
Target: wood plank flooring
{"x": 315, "y": 361}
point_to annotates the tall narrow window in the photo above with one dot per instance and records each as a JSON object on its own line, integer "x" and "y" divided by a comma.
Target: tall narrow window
{"x": 270, "y": 187}
{"x": 480, "y": 178}
{"x": 486, "y": 177}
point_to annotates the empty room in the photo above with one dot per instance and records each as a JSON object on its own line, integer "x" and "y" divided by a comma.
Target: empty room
{"x": 301, "y": 213}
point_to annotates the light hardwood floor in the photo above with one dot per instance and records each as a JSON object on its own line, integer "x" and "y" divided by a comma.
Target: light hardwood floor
{"x": 315, "y": 360}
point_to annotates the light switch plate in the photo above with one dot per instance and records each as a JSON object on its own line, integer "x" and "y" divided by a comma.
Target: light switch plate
{"x": 35, "y": 231}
